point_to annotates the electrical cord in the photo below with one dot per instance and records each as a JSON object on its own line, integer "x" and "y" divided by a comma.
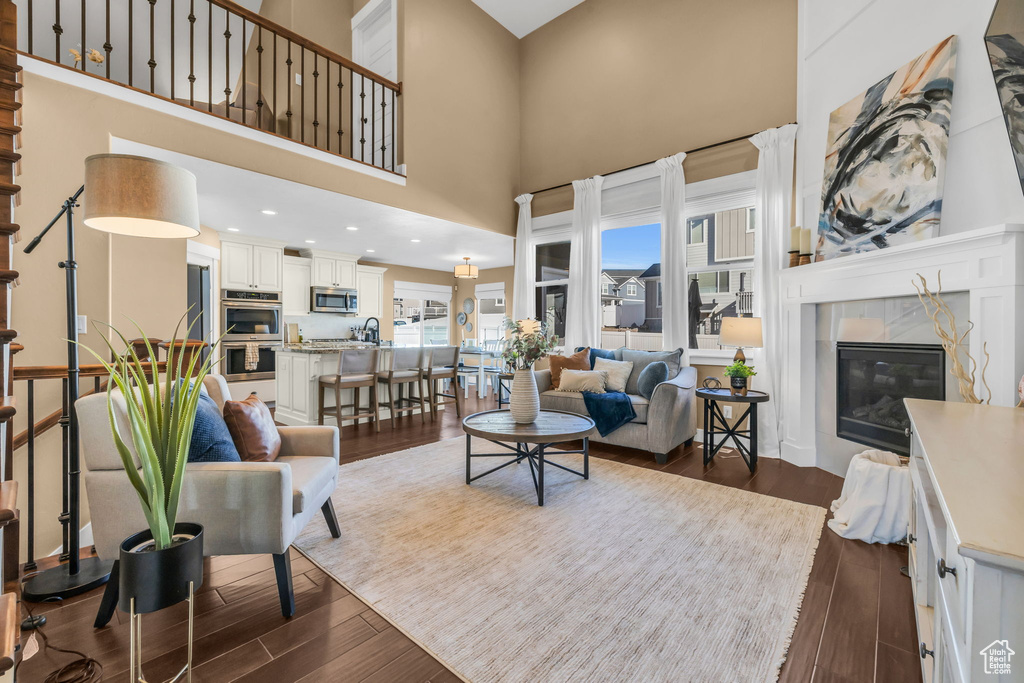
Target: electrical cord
{"x": 85, "y": 669}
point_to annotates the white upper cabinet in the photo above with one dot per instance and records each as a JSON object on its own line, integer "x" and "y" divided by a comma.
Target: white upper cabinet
{"x": 329, "y": 271}
{"x": 370, "y": 286}
{"x": 297, "y": 281}
{"x": 251, "y": 265}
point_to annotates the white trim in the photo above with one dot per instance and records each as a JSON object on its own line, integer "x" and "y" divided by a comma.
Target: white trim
{"x": 119, "y": 92}
{"x": 489, "y": 289}
{"x": 249, "y": 239}
{"x": 422, "y": 291}
{"x": 199, "y": 254}
{"x": 720, "y": 357}
{"x": 200, "y": 250}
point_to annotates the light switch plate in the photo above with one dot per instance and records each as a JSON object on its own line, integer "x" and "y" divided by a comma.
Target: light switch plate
{"x": 83, "y": 324}
{"x": 727, "y": 411}
{"x": 298, "y": 79}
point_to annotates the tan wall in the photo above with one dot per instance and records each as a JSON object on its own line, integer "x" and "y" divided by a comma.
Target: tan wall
{"x": 610, "y": 84}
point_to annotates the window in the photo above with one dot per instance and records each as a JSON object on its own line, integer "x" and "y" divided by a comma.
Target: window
{"x": 628, "y": 254}
{"x": 606, "y": 289}
{"x": 697, "y": 230}
{"x": 490, "y": 316}
{"x": 552, "y": 285}
{"x": 421, "y": 322}
{"x": 722, "y": 267}
{"x": 551, "y": 307}
{"x": 553, "y": 261}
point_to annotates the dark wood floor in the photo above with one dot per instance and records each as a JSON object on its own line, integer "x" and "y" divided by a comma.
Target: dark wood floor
{"x": 856, "y": 623}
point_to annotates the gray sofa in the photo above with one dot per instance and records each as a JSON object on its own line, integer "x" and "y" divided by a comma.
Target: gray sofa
{"x": 661, "y": 424}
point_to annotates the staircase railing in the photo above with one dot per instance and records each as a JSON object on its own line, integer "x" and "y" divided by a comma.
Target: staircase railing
{"x": 30, "y": 375}
{"x": 220, "y": 58}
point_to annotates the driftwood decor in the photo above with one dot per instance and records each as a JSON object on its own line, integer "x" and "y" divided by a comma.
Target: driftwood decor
{"x": 953, "y": 343}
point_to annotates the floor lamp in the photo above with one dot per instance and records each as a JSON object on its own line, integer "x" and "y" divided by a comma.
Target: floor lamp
{"x": 124, "y": 195}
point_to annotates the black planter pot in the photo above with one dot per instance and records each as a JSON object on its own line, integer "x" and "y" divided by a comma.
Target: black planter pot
{"x": 739, "y": 385}
{"x": 160, "y": 578}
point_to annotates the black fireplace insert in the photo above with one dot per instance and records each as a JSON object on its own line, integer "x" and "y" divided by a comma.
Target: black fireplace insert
{"x": 872, "y": 380}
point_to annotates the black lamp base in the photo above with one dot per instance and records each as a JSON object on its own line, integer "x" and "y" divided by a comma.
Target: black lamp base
{"x": 58, "y": 583}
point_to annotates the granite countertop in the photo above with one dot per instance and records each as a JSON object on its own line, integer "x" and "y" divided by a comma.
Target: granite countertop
{"x": 327, "y": 348}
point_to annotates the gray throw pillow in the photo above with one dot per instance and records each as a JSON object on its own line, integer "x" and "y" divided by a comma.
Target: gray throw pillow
{"x": 641, "y": 359}
{"x": 651, "y": 376}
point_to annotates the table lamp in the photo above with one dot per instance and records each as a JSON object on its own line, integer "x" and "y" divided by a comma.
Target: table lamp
{"x": 741, "y": 333}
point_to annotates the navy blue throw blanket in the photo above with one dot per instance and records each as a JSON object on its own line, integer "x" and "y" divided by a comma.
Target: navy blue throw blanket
{"x": 609, "y": 411}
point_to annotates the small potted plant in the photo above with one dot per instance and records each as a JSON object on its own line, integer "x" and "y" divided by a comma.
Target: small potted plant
{"x": 738, "y": 373}
{"x": 529, "y": 343}
{"x": 158, "y": 565}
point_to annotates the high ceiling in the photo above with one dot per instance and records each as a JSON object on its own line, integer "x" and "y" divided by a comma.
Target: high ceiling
{"x": 523, "y": 17}
{"x": 234, "y": 199}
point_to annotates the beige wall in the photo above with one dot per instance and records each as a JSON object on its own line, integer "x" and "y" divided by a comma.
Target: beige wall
{"x": 610, "y": 84}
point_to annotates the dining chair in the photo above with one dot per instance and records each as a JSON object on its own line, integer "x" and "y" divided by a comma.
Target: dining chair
{"x": 405, "y": 368}
{"x": 357, "y": 368}
{"x": 443, "y": 367}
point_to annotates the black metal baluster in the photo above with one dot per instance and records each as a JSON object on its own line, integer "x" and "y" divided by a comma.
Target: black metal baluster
{"x": 152, "y": 46}
{"x": 31, "y": 455}
{"x": 173, "y": 3}
{"x": 245, "y": 86}
{"x": 302, "y": 94}
{"x": 394, "y": 131}
{"x": 373, "y": 124}
{"x": 316, "y": 99}
{"x": 288, "y": 113}
{"x": 30, "y": 27}
{"x": 131, "y": 41}
{"x": 259, "y": 79}
{"x": 362, "y": 117}
{"x": 107, "y": 47}
{"x": 274, "y": 63}
{"x": 341, "y": 109}
{"x": 57, "y": 29}
{"x": 65, "y": 517}
{"x": 96, "y": 384}
{"x": 327, "y": 99}
{"x": 192, "y": 53}
{"x": 227, "y": 63}
{"x": 383, "y": 126}
{"x": 209, "y": 58}
{"x": 84, "y": 43}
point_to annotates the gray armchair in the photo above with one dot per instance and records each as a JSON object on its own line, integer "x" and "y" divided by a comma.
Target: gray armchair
{"x": 661, "y": 424}
{"x": 245, "y": 508}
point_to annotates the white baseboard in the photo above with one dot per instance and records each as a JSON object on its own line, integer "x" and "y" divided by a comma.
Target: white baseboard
{"x": 84, "y": 539}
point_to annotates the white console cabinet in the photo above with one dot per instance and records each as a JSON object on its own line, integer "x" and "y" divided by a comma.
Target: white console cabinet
{"x": 967, "y": 540}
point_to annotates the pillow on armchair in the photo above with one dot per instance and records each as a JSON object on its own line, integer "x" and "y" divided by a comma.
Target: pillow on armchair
{"x": 252, "y": 429}
{"x": 211, "y": 440}
{"x": 577, "y": 361}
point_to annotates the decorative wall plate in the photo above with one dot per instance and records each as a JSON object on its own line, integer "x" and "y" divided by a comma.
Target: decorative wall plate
{"x": 469, "y": 327}
{"x": 461, "y": 318}
{"x": 468, "y": 306}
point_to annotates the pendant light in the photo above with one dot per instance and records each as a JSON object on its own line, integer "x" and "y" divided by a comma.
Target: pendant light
{"x": 467, "y": 271}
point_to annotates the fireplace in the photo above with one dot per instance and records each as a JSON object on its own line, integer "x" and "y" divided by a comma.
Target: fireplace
{"x": 872, "y": 379}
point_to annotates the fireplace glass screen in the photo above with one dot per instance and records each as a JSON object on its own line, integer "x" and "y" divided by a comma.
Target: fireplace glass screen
{"x": 873, "y": 380}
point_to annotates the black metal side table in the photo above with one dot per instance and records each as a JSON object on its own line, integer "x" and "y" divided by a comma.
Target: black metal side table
{"x": 715, "y": 423}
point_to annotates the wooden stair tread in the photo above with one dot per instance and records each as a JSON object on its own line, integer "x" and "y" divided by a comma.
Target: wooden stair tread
{"x": 9, "y": 627}
{"x": 8, "y": 275}
{"x": 9, "y": 189}
{"x": 9, "y": 228}
{"x": 7, "y": 335}
{"x": 7, "y": 408}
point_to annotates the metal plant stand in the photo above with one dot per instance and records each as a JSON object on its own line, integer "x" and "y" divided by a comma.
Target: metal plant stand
{"x": 135, "y": 643}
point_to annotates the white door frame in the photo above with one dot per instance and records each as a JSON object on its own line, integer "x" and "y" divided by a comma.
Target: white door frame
{"x": 199, "y": 254}
{"x": 361, "y": 22}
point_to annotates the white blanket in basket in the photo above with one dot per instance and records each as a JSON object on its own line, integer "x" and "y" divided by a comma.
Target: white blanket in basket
{"x": 875, "y": 503}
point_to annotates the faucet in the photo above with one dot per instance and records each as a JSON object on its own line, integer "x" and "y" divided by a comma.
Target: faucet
{"x": 375, "y": 336}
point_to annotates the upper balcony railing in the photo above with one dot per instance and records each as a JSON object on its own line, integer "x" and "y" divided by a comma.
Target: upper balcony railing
{"x": 221, "y": 58}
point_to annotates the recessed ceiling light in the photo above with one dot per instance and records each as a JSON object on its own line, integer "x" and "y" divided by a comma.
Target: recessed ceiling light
{"x": 310, "y": 241}
{"x": 351, "y": 227}
{"x": 370, "y": 251}
{"x": 269, "y": 212}
{"x": 232, "y": 229}
{"x": 414, "y": 240}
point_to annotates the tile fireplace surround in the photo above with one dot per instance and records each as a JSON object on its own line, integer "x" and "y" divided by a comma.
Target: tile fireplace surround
{"x": 987, "y": 263}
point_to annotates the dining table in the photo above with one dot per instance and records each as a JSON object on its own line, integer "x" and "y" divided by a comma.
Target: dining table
{"x": 481, "y": 372}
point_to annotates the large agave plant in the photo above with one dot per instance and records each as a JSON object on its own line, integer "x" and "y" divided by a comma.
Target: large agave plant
{"x": 160, "y": 418}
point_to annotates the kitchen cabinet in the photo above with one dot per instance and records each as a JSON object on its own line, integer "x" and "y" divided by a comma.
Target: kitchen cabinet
{"x": 329, "y": 271}
{"x": 297, "y": 281}
{"x": 250, "y": 264}
{"x": 370, "y": 287}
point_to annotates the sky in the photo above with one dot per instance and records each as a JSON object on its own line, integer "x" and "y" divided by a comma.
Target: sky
{"x": 627, "y": 248}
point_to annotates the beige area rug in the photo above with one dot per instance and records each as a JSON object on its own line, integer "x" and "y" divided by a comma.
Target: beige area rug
{"x": 634, "y": 575}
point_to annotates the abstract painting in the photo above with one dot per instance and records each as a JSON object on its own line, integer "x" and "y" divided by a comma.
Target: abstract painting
{"x": 1004, "y": 39}
{"x": 885, "y": 159}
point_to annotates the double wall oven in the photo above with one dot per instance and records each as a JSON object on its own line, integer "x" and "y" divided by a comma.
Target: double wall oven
{"x": 251, "y": 320}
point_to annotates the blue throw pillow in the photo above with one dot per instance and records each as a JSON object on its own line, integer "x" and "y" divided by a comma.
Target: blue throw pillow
{"x": 598, "y": 353}
{"x": 654, "y": 374}
{"x": 211, "y": 440}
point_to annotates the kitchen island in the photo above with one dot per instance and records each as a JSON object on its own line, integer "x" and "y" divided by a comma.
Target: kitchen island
{"x": 299, "y": 367}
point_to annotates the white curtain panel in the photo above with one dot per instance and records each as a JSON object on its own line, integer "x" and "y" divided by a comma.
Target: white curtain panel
{"x": 673, "y": 252}
{"x": 523, "y": 298}
{"x": 773, "y": 205}
{"x": 583, "y": 301}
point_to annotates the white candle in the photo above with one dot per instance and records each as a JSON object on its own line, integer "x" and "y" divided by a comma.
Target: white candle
{"x": 805, "y": 241}
{"x": 794, "y": 238}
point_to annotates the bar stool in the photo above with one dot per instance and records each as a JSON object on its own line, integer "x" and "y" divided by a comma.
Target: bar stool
{"x": 405, "y": 366}
{"x": 357, "y": 368}
{"x": 443, "y": 366}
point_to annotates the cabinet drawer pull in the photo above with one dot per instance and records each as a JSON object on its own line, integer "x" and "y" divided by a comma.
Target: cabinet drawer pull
{"x": 925, "y": 652}
{"x": 943, "y": 569}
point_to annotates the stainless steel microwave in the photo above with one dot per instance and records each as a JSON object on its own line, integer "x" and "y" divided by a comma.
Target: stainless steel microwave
{"x": 333, "y": 300}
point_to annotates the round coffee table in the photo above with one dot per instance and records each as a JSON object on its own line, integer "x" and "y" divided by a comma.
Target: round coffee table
{"x": 531, "y": 440}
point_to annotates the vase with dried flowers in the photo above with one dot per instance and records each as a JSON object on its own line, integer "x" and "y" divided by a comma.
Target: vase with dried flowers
{"x": 530, "y": 342}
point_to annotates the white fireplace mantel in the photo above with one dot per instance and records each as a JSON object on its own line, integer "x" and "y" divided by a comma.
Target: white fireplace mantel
{"x": 988, "y": 263}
